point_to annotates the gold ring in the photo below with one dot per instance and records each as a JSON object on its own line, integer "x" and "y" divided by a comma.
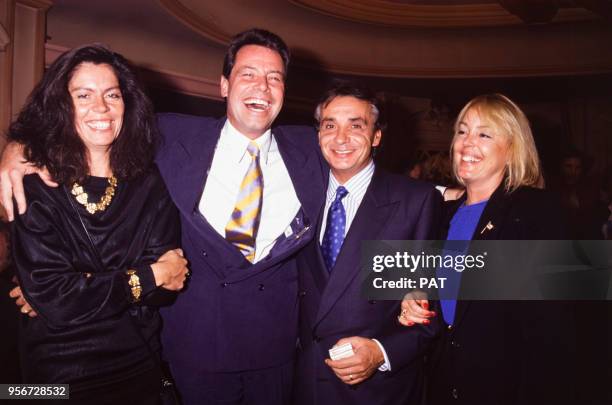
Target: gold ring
{"x": 350, "y": 377}
{"x": 404, "y": 312}
{"x": 25, "y": 311}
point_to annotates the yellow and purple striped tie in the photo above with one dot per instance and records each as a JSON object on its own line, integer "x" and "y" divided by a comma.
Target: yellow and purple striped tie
{"x": 241, "y": 230}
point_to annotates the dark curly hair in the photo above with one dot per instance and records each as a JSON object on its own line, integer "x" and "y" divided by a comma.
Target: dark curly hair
{"x": 46, "y": 127}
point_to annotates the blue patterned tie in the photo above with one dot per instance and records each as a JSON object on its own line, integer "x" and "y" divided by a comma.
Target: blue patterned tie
{"x": 334, "y": 229}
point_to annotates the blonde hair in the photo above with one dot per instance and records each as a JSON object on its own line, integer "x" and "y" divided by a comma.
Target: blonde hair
{"x": 507, "y": 119}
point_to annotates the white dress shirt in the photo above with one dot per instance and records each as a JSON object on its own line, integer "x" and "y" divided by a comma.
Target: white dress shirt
{"x": 356, "y": 187}
{"x": 229, "y": 166}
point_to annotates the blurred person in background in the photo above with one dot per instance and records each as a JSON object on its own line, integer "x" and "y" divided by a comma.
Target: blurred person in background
{"x": 581, "y": 198}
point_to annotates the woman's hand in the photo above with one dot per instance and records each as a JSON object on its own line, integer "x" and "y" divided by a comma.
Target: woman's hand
{"x": 23, "y": 305}
{"x": 170, "y": 270}
{"x": 415, "y": 309}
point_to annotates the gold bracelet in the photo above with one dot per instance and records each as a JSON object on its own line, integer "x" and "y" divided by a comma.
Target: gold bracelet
{"x": 134, "y": 283}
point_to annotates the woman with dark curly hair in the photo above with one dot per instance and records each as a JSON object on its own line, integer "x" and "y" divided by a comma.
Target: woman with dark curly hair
{"x": 94, "y": 255}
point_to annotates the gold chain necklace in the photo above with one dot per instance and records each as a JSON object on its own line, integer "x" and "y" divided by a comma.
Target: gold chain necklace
{"x": 92, "y": 208}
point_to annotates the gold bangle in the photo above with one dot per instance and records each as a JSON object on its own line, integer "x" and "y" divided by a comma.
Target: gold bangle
{"x": 134, "y": 282}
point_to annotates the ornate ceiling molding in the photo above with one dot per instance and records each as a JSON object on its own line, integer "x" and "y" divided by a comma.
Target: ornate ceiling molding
{"x": 386, "y": 13}
{"x": 37, "y": 4}
{"x": 217, "y": 23}
{"x": 196, "y": 22}
{"x": 498, "y": 71}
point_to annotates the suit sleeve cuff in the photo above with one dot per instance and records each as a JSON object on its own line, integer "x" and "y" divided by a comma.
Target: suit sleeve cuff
{"x": 386, "y": 366}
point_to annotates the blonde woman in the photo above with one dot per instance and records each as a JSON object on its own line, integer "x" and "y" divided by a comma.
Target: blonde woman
{"x": 497, "y": 352}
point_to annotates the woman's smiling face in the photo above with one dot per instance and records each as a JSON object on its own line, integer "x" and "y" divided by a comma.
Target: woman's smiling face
{"x": 98, "y": 105}
{"x": 480, "y": 153}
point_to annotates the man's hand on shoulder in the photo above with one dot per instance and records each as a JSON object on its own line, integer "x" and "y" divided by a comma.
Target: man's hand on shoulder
{"x": 13, "y": 167}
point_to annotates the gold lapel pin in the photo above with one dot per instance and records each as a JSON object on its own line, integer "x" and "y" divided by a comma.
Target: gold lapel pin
{"x": 487, "y": 227}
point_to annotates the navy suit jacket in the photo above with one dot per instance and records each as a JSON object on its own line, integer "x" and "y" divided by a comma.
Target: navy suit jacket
{"x": 332, "y": 306}
{"x": 233, "y": 315}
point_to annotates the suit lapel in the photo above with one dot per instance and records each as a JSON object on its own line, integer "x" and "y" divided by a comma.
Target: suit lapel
{"x": 370, "y": 219}
{"x": 489, "y": 223}
{"x": 194, "y": 155}
{"x": 306, "y": 173}
{"x": 487, "y": 229}
{"x": 317, "y": 264}
{"x": 193, "y": 159}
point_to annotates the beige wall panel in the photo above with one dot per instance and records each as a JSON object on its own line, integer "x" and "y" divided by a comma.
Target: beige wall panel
{"x": 6, "y": 68}
{"x": 24, "y": 55}
{"x": 22, "y": 59}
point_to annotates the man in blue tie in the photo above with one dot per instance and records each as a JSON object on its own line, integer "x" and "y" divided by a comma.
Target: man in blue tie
{"x": 363, "y": 203}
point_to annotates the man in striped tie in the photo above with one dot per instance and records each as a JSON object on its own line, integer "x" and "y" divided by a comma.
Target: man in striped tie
{"x": 363, "y": 203}
{"x": 248, "y": 194}
{"x": 230, "y": 337}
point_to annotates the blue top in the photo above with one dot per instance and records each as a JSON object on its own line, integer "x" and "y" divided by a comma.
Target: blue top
{"x": 462, "y": 227}
{"x": 463, "y": 224}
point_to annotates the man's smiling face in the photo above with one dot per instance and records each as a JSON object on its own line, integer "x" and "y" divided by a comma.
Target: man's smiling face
{"x": 254, "y": 90}
{"x": 347, "y": 135}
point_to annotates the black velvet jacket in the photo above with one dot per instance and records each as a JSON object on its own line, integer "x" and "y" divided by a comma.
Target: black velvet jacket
{"x": 83, "y": 334}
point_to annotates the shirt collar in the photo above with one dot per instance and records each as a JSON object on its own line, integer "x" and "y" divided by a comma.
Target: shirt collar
{"x": 356, "y": 185}
{"x": 234, "y": 143}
